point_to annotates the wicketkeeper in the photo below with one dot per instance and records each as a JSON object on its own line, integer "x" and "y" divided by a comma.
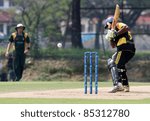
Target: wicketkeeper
{"x": 120, "y": 38}
{"x": 21, "y": 43}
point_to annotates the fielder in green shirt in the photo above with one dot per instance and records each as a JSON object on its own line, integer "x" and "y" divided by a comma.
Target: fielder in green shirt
{"x": 21, "y": 43}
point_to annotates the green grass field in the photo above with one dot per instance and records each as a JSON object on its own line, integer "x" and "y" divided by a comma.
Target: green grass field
{"x": 37, "y": 86}
{"x": 69, "y": 101}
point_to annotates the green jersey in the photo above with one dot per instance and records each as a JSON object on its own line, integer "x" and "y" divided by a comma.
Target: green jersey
{"x": 19, "y": 41}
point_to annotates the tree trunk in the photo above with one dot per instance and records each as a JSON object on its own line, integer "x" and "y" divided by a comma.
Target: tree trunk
{"x": 98, "y": 30}
{"x": 76, "y": 25}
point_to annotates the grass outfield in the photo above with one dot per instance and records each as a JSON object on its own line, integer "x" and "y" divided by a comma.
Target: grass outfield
{"x": 69, "y": 101}
{"x": 36, "y": 86}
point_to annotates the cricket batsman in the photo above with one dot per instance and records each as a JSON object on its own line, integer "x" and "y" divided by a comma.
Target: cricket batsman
{"x": 121, "y": 38}
{"x": 21, "y": 43}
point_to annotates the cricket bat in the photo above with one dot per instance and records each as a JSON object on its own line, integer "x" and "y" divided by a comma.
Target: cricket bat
{"x": 116, "y": 17}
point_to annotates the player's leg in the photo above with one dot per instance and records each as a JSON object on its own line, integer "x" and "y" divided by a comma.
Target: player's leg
{"x": 113, "y": 69}
{"x": 124, "y": 78}
{"x": 13, "y": 66}
{"x": 122, "y": 59}
{"x": 115, "y": 75}
{"x": 22, "y": 64}
{"x": 127, "y": 56}
{"x": 17, "y": 67}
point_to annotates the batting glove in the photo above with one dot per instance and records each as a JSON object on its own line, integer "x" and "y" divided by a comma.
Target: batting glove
{"x": 111, "y": 35}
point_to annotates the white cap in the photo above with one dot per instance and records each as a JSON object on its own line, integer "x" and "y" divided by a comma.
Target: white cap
{"x": 20, "y": 25}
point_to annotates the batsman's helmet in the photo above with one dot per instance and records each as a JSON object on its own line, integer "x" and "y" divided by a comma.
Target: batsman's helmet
{"x": 108, "y": 20}
{"x": 20, "y": 25}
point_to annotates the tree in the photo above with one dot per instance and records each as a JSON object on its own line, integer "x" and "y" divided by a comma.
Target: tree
{"x": 31, "y": 16}
{"x": 93, "y": 12}
{"x": 76, "y": 24}
{"x": 43, "y": 18}
{"x": 131, "y": 10}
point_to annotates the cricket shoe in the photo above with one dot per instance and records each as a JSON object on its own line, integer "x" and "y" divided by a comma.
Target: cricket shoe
{"x": 126, "y": 88}
{"x": 117, "y": 88}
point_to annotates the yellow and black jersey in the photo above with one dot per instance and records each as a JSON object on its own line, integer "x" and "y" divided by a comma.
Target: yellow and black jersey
{"x": 19, "y": 41}
{"x": 125, "y": 40}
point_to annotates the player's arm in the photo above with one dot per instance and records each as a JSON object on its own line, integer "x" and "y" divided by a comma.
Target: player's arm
{"x": 123, "y": 29}
{"x": 120, "y": 29}
{"x": 7, "y": 49}
{"x": 27, "y": 46}
{"x": 110, "y": 36}
{"x": 9, "y": 46}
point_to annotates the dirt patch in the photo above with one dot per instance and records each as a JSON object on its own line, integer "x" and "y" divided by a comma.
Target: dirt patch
{"x": 137, "y": 92}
